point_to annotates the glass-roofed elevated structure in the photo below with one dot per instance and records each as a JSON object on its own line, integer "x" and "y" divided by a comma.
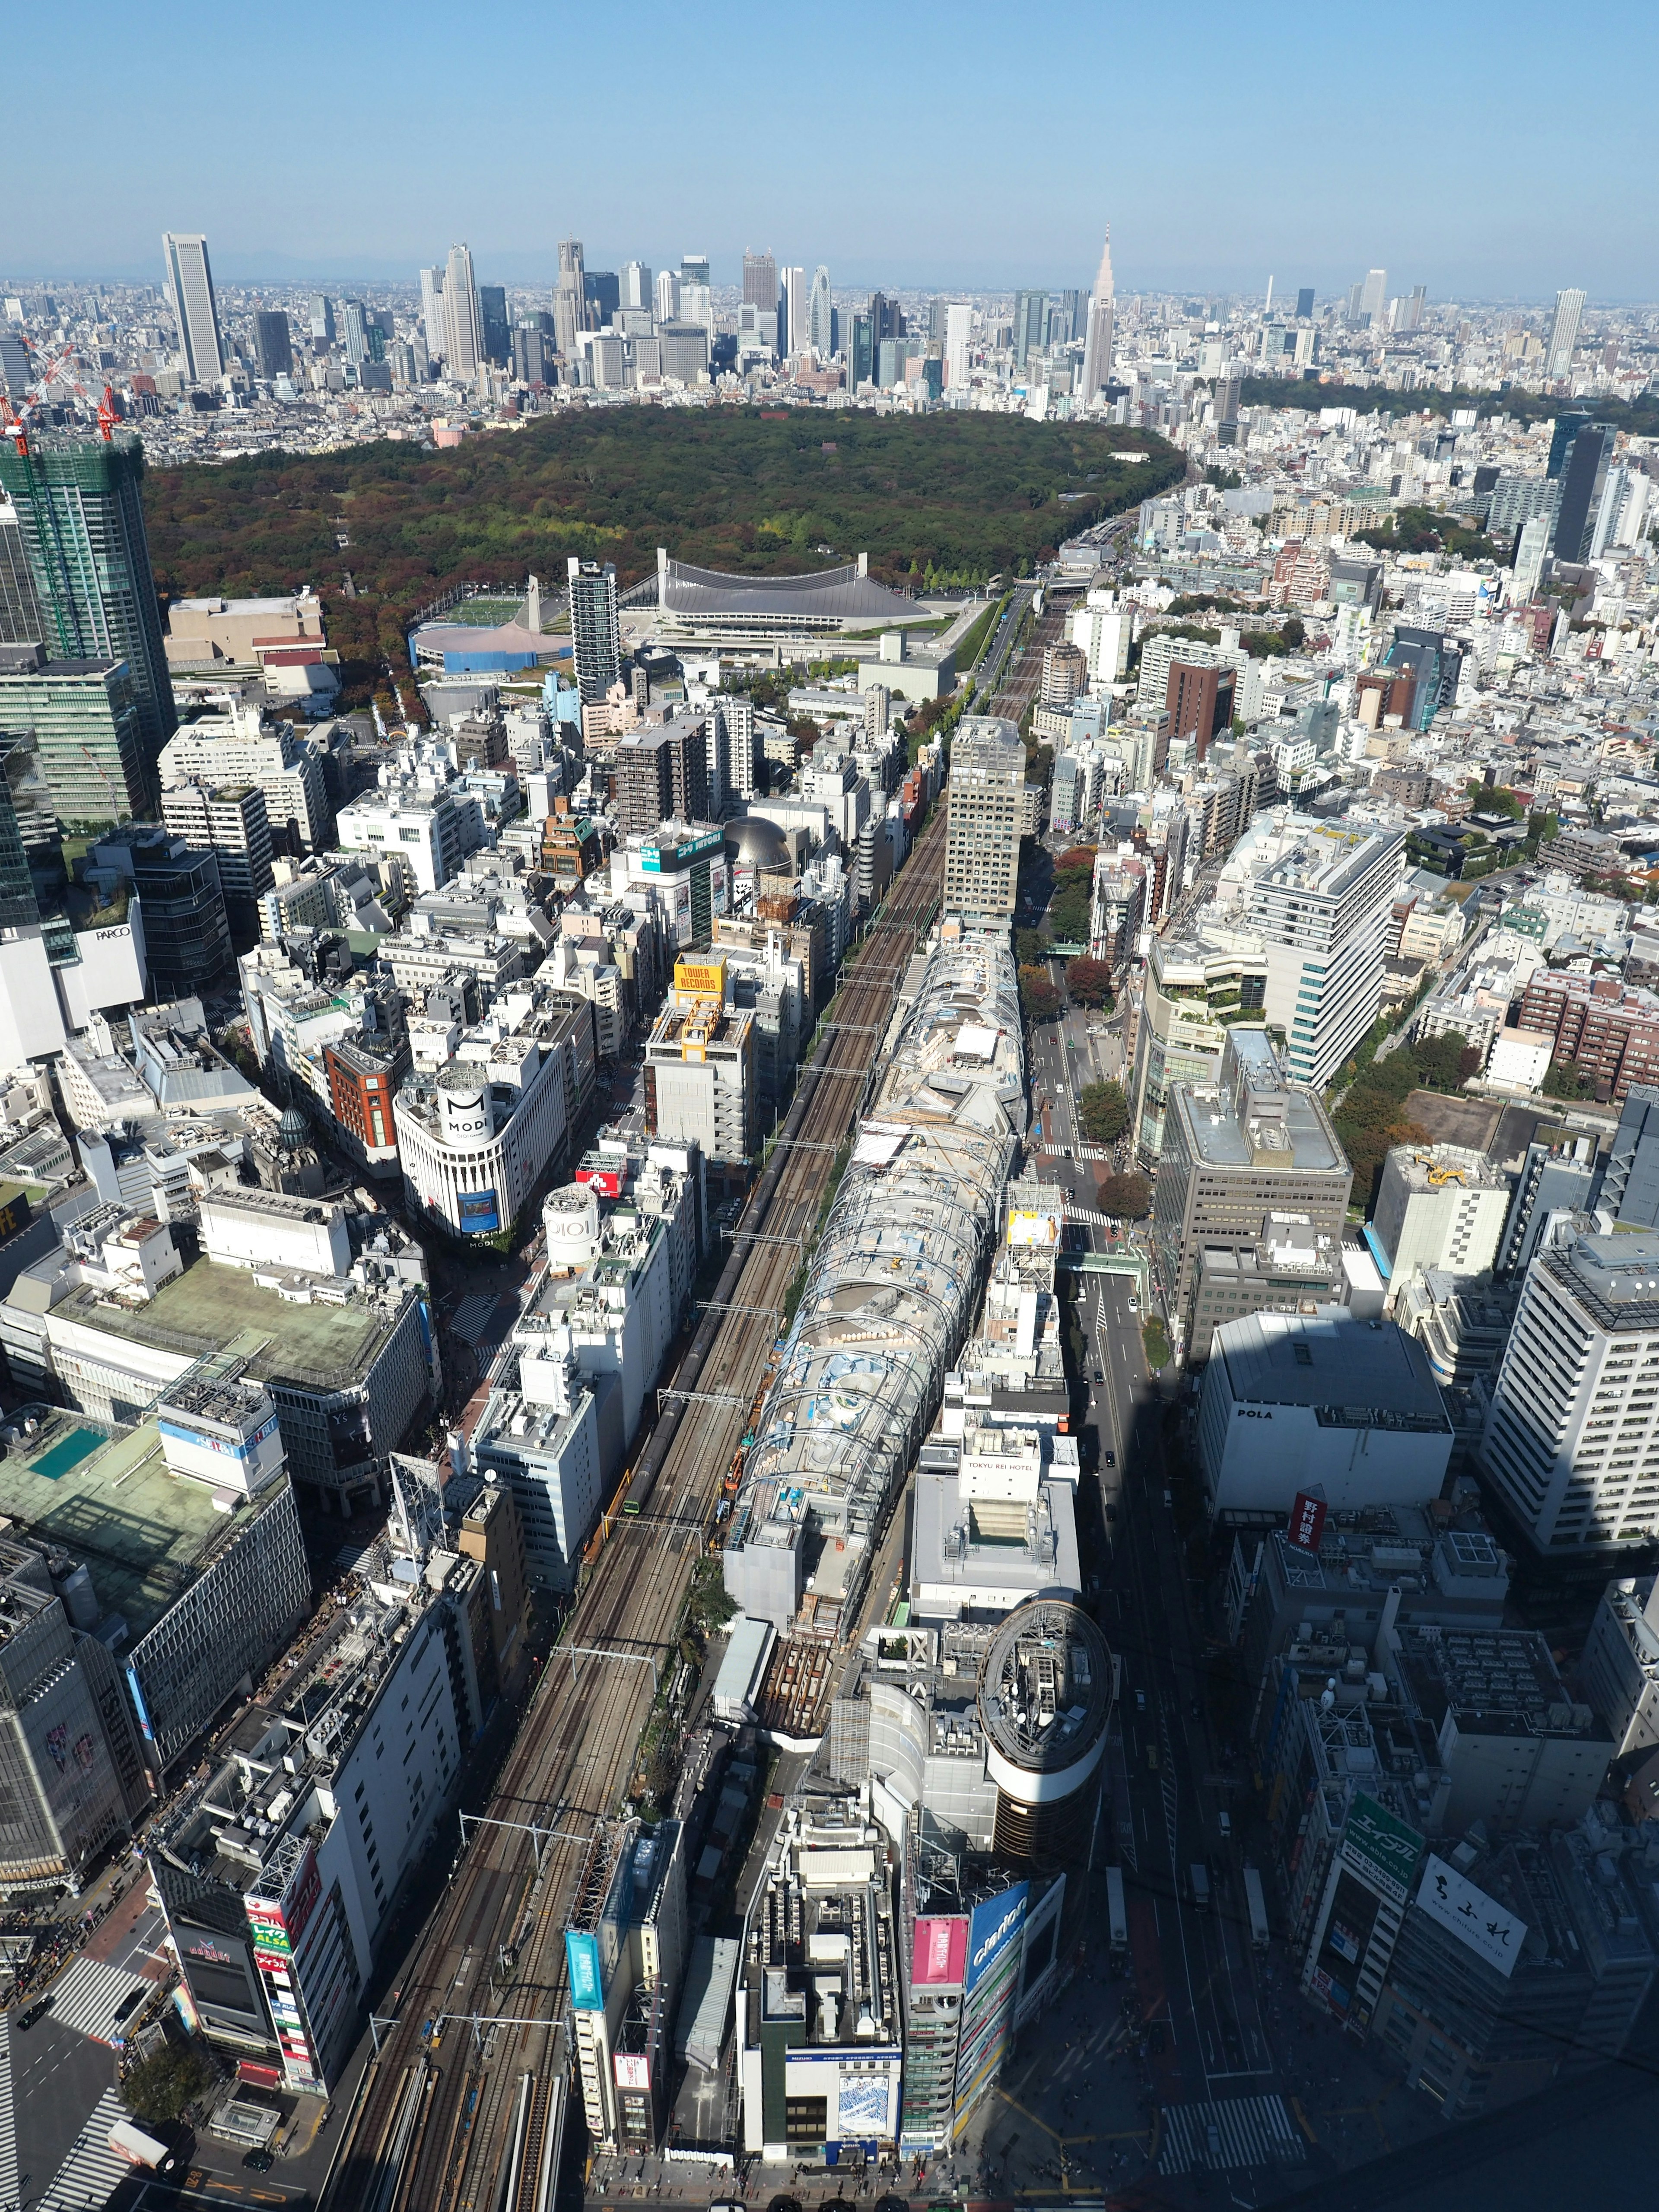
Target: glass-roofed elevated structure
{"x": 891, "y": 1292}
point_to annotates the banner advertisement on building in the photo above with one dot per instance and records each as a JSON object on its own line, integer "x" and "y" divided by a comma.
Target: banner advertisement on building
{"x": 939, "y": 1952}
{"x": 582, "y": 1957}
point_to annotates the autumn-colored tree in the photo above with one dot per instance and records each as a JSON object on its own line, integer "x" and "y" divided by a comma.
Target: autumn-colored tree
{"x": 1089, "y": 982}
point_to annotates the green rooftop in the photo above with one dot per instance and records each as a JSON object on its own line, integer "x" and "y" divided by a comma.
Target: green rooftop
{"x": 143, "y": 1533}
{"x": 213, "y": 1309}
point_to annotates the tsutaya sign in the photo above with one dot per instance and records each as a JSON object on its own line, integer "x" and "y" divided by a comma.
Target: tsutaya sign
{"x": 1490, "y": 1929}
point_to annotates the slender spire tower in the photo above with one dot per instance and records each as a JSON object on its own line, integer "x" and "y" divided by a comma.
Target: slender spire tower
{"x": 1097, "y": 348}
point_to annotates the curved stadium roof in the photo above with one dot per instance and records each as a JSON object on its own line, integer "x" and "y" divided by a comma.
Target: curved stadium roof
{"x": 845, "y": 594}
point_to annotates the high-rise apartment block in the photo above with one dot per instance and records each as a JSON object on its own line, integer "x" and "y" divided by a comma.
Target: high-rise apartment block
{"x": 230, "y": 822}
{"x": 1321, "y": 902}
{"x": 595, "y": 628}
{"x": 662, "y": 774}
{"x": 190, "y": 289}
{"x": 987, "y": 804}
{"x": 1199, "y": 703}
{"x": 1570, "y": 1443}
{"x": 81, "y": 527}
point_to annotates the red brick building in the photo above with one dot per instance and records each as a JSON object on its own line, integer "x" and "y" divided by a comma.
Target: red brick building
{"x": 1200, "y": 703}
{"x": 1611, "y": 1033}
{"x": 364, "y": 1075}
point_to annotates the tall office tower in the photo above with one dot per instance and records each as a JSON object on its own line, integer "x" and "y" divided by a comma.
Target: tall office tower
{"x": 1067, "y": 311}
{"x": 760, "y": 282}
{"x": 937, "y": 311}
{"x": 667, "y": 302}
{"x": 21, "y": 618}
{"x": 958, "y": 341}
{"x": 493, "y": 325}
{"x": 792, "y": 339}
{"x": 1564, "y": 335}
{"x": 16, "y": 370}
{"x": 82, "y": 528}
{"x": 273, "y": 344}
{"x": 595, "y": 628}
{"x": 987, "y": 801}
{"x": 356, "y": 332}
{"x": 1097, "y": 346}
{"x": 532, "y": 350}
{"x": 1321, "y": 902}
{"x": 603, "y": 292}
{"x": 636, "y": 286}
{"x": 1568, "y": 1442}
{"x": 1030, "y": 312}
{"x": 1374, "y": 296}
{"x": 694, "y": 269}
{"x": 861, "y": 351}
{"x": 322, "y": 315}
{"x": 570, "y": 295}
{"x": 432, "y": 309}
{"x": 1417, "y": 307}
{"x": 820, "y": 326}
{"x": 1568, "y": 424}
{"x": 190, "y": 288}
{"x": 1304, "y": 300}
{"x": 886, "y": 317}
{"x": 1531, "y": 549}
{"x": 1583, "y": 479}
{"x": 463, "y": 331}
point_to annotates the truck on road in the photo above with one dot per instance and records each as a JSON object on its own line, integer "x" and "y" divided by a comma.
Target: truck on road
{"x": 1257, "y": 1907}
{"x": 137, "y": 2148}
{"x": 1117, "y": 1917}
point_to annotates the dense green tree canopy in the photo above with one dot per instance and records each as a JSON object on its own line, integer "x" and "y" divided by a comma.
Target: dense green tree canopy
{"x": 948, "y": 497}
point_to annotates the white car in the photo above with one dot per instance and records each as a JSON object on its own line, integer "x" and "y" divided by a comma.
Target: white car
{"x": 1135, "y": 1305}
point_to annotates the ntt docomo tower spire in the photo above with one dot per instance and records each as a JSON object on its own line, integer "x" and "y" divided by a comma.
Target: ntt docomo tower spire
{"x": 1097, "y": 350}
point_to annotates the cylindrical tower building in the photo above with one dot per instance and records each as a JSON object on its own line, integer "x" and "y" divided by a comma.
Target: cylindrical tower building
{"x": 1045, "y": 1696}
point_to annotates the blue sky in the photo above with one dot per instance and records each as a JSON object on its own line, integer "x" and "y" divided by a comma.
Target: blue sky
{"x": 1488, "y": 153}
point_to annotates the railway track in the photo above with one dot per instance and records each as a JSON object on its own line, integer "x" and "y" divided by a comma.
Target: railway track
{"x": 446, "y": 2120}
{"x": 1024, "y": 680}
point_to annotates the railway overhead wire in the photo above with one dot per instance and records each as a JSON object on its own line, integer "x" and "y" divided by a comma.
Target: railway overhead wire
{"x": 457, "y": 2109}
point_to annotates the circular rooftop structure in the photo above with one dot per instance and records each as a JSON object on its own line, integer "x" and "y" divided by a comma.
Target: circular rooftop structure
{"x": 1045, "y": 1696}
{"x": 755, "y": 842}
{"x": 292, "y": 1130}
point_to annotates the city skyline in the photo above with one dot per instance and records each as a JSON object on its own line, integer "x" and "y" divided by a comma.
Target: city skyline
{"x": 1227, "y": 215}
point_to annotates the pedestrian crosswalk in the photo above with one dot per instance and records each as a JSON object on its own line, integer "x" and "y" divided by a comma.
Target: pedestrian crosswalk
{"x": 8, "y": 2118}
{"x": 472, "y": 1317}
{"x": 92, "y": 2173}
{"x": 1232, "y": 2131}
{"x": 85, "y": 1996}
